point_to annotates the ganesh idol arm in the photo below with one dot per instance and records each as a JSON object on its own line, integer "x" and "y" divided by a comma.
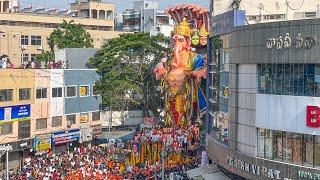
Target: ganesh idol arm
{"x": 160, "y": 70}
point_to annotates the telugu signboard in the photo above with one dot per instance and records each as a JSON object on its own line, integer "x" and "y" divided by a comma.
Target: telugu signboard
{"x": 15, "y": 113}
{"x": 62, "y": 137}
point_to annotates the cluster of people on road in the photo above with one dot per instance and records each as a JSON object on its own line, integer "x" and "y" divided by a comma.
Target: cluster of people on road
{"x": 101, "y": 162}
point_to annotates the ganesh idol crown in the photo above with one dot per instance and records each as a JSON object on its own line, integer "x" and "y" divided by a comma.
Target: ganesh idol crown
{"x": 180, "y": 76}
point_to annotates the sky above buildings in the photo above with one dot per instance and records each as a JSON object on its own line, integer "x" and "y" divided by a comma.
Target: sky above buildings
{"x": 120, "y": 4}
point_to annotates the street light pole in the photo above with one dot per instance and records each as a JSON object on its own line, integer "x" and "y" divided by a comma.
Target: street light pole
{"x": 7, "y": 164}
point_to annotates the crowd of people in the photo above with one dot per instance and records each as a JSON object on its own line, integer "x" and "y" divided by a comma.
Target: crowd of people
{"x": 5, "y": 63}
{"x": 99, "y": 162}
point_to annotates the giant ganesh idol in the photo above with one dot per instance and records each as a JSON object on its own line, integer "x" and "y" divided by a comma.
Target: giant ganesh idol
{"x": 185, "y": 102}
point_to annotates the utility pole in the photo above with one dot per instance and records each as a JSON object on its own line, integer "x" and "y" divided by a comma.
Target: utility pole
{"x": 287, "y": 9}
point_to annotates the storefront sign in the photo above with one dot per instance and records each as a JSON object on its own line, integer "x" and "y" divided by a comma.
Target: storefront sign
{"x": 286, "y": 42}
{"x": 313, "y": 116}
{"x": 96, "y": 130}
{"x": 16, "y": 146}
{"x": 14, "y": 113}
{"x": 7, "y": 147}
{"x": 85, "y": 133}
{"x": 252, "y": 168}
{"x": 42, "y": 142}
{"x": 63, "y": 137}
{"x": 308, "y": 175}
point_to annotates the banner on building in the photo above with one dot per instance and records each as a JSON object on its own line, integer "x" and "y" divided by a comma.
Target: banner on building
{"x": 62, "y": 137}
{"x": 15, "y": 113}
{"x": 42, "y": 142}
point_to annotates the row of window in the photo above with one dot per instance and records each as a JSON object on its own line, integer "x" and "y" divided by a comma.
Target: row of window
{"x": 35, "y": 40}
{"x": 25, "y": 57}
{"x": 42, "y": 124}
{"x": 301, "y": 149}
{"x": 70, "y": 91}
{"x": 289, "y": 79}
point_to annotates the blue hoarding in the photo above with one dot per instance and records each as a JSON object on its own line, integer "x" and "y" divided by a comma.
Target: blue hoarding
{"x": 15, "y": 113}
{"x": 62, "y": 137}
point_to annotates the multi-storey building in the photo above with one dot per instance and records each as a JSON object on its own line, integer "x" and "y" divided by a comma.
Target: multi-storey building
{"x": 258, "y": 11}
{"x": 263, "y": 117}
{"x": 145, "y": 16}
{"x": 24, "y": 32}
{"x": 47, "y": 109}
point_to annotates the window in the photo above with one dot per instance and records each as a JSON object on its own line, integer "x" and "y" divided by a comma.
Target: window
{"x": 33, "y": 57}
{"x": 261, "y": 141}
{"x": 317, "y": 151}
{"x": 41, "y": 93}
{"x": 84, "y": 117}
{"x": 289, "y": 79}
{"x": 24, "y": 129}
{"x": 296, "y": 148}
{"x": 41, "y": 123}
{"x": 268, "y": 144}
{"x": 71, "y": 91}
{"x": 56, "y": 92}
{"x": 277, "y": 144}
{"x": 95, "y": 91}
{"x": 24, "y": 94}
{"x": 6, "y": 95}
{"x": 56, "y": 121}
{"x": 36, "y": 40}
{"x": 6, "y": 128}
{"x": 71, "y": 119}
{"x": 24, "y": 57}
{"x": 24, "y": 40}
{"x": 307, "y": 150}
{"x": 84, "y": 90}
{"x": 287, "y": 147}
{"x": 96, "y": 116}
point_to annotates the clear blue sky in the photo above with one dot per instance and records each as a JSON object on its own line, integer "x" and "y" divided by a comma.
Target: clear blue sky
{"x": 120, "y": 4}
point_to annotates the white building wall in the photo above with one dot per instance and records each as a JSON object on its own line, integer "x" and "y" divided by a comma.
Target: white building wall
{"x": 270, "y": 7}
{"x": 285, "y": 113}
{"x": 247, "y": 88}
{"x": 56, "y": 104}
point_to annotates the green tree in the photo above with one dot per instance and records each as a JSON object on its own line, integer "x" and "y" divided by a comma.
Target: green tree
{"x": 69, "y": 35}
{"x": 45, "y": 56}
{"x": 126, "y": 67}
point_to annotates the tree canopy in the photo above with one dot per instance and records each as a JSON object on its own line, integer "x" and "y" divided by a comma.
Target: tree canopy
{"x": 69, "y": 35}
{"x": 126, "y": 67}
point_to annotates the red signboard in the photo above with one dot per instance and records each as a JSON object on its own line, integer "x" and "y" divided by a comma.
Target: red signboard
{"x": 313, "y": 116}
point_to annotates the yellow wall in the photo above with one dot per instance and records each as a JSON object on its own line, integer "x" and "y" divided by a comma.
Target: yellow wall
{"x": 16, "y": 79}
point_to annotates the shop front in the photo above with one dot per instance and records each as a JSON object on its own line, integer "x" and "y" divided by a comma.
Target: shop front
{"x": 255, "y": 167}
{"x": 18, "y": 151}
{"x": 65, "y": 140}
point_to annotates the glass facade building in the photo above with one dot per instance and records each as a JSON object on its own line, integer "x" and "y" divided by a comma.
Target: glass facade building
{"x": 263, "y": 78}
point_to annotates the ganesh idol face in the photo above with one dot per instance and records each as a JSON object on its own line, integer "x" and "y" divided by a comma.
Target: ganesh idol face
{"x": 180, "y": 42}
{"x": 195, "y": 40}
{"x": 203, "y": 41}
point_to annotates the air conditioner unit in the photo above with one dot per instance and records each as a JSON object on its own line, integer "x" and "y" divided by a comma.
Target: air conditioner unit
{"x": 23, "y": 47}
{"x": 39, "y": 47}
